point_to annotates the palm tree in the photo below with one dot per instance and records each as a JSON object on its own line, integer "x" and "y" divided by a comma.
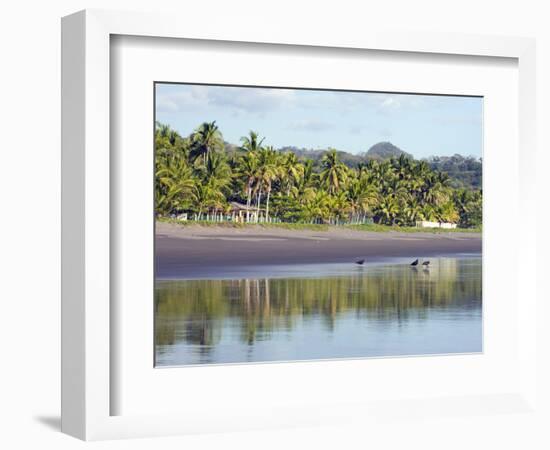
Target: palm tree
{"x": 303, "y": 188}
{"x": 412, "y": 212}
{"x": 206, "y": 139}
{"x": 362, "y": 197}
{"x": 267, "y": 172}
{"x": 402, "y": 167}
{"x": 436, "y": 188}
{"x": 174, "y": 184}
{"x": 290, "y": 171}
{"x": 362, "y": 169}
{"x": 165, "y": 138}
{"x": 333, "y": 173}
{"x": 469, "y": 207}
{"x": 215, "y": 171}
{"x": 215, "y": 177}
{"x": 339, "y": 206}
{"x": 422, "y": 169}
{"x": 161, "y": 129}
{"x": 429, "y": 212}
{"x": 247, "y": 169}
{"x": 382, "y": 174}
{"x": 205, "y": 197}
{"x": 448, "y": 212}
{"x": 252, "y": 142}
{"x": 387, "y": 209}
{"x": 317, "y": 208}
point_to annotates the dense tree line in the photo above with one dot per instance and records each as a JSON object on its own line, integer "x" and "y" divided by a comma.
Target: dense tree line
{"x": 464, "y": 171}
{"x": 195, "y": 174}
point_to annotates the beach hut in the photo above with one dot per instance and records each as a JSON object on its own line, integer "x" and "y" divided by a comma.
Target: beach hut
{"x": 238, "y": 212}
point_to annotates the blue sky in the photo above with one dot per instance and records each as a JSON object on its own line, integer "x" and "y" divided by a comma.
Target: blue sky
{"x": 422, "y": 125}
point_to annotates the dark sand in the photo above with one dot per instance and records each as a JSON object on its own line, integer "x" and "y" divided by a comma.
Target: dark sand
{"x": 195, "y": 252}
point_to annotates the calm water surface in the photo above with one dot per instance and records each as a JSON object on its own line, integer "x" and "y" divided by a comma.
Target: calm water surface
{"x": 321, "y": 311}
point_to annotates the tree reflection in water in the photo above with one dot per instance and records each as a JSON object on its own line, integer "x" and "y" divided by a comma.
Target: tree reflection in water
{"x": 195, "y": 312}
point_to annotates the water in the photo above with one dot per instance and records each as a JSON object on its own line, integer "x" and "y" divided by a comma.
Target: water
{"x": 321, "y": 311}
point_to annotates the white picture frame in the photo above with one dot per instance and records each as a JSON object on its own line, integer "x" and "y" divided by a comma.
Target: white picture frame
{"x": 87, "y": 384}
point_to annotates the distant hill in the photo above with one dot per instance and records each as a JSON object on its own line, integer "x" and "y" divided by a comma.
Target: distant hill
{"x": 386, "y": 150}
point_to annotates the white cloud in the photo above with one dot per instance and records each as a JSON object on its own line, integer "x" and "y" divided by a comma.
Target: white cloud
{"x": 251, "y": 100}
{"x": 179, "y": 98}
{"x": 192, "y": 97}
{"x": 165, "y": 104}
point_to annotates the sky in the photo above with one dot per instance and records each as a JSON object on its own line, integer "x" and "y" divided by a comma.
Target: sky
{"x": 423, "y": 125}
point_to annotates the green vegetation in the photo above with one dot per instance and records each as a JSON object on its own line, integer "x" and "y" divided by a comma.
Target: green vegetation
{"x": 197, "y": 176}
{"x": 374, "y": 227}
{"x": 464, "y": 171}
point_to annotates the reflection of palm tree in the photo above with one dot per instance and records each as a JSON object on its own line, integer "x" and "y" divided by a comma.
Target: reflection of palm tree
{"x": 260, "y": 307}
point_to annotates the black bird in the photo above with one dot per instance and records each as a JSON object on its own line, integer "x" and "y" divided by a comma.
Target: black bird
{"x": 360, "y": 262}
{"x": 414, "y": 263}
{"x": 426, "y": 264}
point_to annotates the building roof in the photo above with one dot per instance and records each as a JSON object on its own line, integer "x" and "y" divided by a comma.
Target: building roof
{"x": 236, "y": 206}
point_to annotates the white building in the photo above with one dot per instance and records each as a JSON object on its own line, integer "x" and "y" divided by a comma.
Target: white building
{"x": 428, "y": 224}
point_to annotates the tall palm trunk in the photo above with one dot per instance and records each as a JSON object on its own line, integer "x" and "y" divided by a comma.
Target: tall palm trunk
{"x": 258, "y": 205}
{"x": 248, "y": 201}
{"x": 267, "y": 203}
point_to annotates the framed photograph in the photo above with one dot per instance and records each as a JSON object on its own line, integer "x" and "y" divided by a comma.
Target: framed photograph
{"x": 305, "y": 217}
{"x": 273, "y": 252}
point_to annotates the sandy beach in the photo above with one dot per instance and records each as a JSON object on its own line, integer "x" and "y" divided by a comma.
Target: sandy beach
{"x": 195, "y": 251}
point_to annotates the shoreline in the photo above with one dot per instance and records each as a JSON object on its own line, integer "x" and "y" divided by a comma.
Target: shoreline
{"x": 309, "y": 270}
{"x": 198, "y": 252}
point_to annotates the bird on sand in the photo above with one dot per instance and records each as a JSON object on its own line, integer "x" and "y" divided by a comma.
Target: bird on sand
{"x": 360, "y": 262}
{"x": 426, "y": 264}
{"x": 414, "y": 263}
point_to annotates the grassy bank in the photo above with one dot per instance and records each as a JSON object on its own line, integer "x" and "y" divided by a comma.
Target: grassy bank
{"x": 281, "y": 226}
{"x": 388, "y": 228}
{"x": 317, "y": 227}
